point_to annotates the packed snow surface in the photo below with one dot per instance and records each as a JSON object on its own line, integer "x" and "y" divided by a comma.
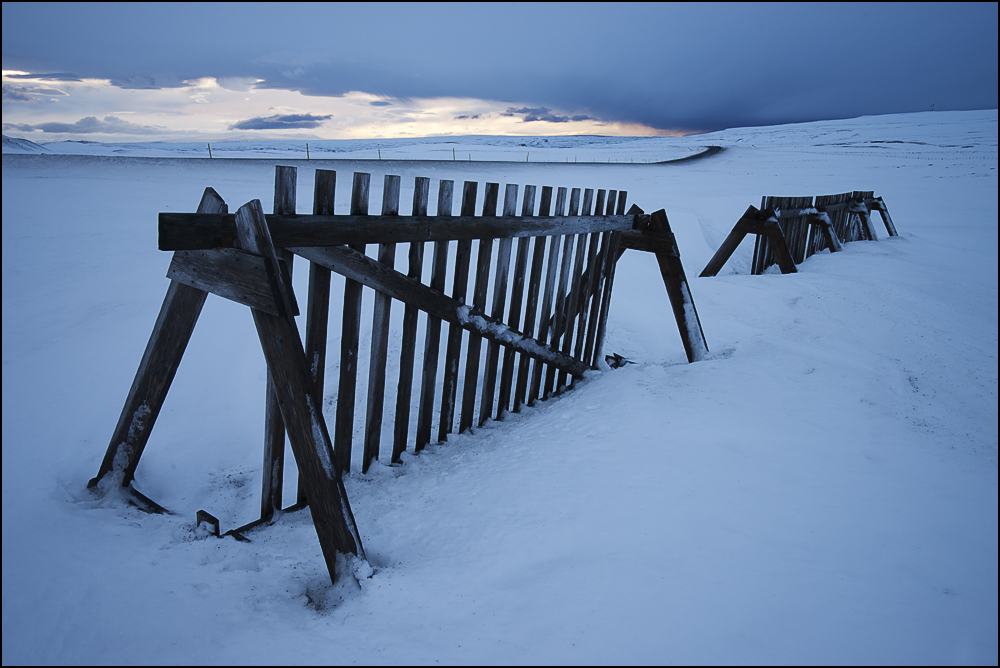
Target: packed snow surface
{"x": 821, "y": 488}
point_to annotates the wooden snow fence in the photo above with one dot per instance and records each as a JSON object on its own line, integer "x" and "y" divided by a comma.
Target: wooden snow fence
{"x": 551, "y": 275}
{"x": 790, "y": 229}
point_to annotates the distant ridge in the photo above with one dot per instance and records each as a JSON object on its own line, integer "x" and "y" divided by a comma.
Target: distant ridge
{"x": 15, "y": 145}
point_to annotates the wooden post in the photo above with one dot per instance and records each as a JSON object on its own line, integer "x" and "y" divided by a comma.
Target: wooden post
{"x": 301, "y": 407}
{"x": 178, "y": 315}
{"x": 349, "y": 340}
{"x": 380, "y": 336}
{"x": 274, "y": 428}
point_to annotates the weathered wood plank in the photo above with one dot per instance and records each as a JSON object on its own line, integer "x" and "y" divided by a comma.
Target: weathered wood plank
{"x": 432, "y": 335}
{"x": 463, "y": 256}
{"x": 380, "y": 336}
{"x": 285, "y": 179}
{"x": 479, "y": 302}
{"x": 301, "y": 410}
{"x": 226, "y": 272}
{"x": 193, "y": 231}
{"x": 499, "y": 302}
{"x": 349, "y": 340}
{"x": 318, "y": 306}
{"x": 178, "y": 315}
{"x": 408, "y": 347}
{"x": 360, "y": 267}
{"x": 516, "y": 306}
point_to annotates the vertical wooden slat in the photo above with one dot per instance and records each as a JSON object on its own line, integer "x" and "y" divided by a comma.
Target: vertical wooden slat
{"x": 349, "y": 339}
{"x": 432, "y": 335}
{"x": 610, "y": 263}
{"x": 586, "y": 292}
{"x": 622, "y": 195}
{"x": 171, "y": 332}
{"x": 421, "y": 192}
{"x": 523, "y": 393}
{"x": 597, "y": 285}
{"x": 318, "y": 311}
{"x": 463, "y": 254}
{"x": 559, "y": 315}
{"x": 573, "y": 298}
{"x": 499, "y": 303}
{"x": 274, "y": 427}
{"x": 516, "y": 303}
{"x": 588, "y": 198}
{"x": 545, "y": 323}
{"x": 380, "y": 336}
{"x": 480, "y": 290}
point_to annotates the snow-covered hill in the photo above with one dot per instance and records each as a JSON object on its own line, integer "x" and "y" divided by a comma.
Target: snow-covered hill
{"x": 822, "y": 489}
{"x": 15, "y": 145}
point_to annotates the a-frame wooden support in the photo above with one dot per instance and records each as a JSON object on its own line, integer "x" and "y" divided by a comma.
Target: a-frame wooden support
{"x": 655, "y": 236}
{"x": 766, "y": 224}
{"x": 763, "y": 223}
{"x": 877, "y": 204}
{"x": 250, "y": 273}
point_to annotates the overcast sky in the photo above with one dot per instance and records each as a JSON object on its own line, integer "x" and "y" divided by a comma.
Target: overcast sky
{"x": 127, "y": 71}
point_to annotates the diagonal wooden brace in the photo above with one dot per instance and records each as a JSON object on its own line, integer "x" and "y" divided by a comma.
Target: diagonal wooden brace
{"x": 301, "y": 408}
{"x": 178, "y": 315}
{"x": 668, "y": 257}
{"x": 359, "y": 267}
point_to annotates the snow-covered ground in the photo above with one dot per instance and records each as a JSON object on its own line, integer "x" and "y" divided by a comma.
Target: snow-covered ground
{"x": 822, "y": 489}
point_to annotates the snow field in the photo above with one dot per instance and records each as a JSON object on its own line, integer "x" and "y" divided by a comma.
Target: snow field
{"x": 821, "y": 489}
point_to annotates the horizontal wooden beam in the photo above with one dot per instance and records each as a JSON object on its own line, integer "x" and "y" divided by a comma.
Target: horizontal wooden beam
{"x": 196, "y": 231}
{"x": 363, "y": 269}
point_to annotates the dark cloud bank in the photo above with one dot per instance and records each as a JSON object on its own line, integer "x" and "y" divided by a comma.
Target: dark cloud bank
{"x": 688, "y": 66}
